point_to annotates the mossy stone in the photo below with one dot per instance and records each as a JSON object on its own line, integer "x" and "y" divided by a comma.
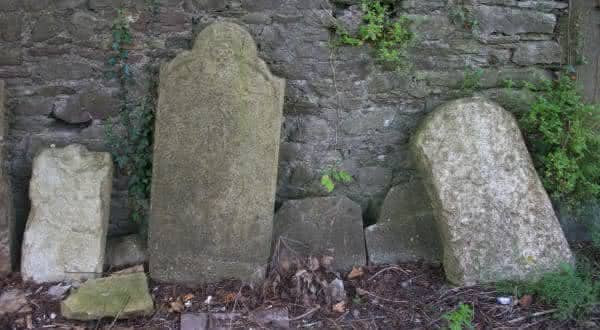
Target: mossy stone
{"x": 121, "y": 296}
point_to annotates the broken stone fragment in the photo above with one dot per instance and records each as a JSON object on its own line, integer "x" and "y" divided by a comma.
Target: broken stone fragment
{"x": 66, "y": 231}
{"x": 406, "y": 230}
{"x": 325, "y": 226}
{"x": 117, "y": 296}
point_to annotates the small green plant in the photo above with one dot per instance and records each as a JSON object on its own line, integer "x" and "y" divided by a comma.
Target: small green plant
{"x": 460, "y": 318}
{"x": 390, "y": 37}
{"x": 573, "y": 291}
{"x": 333, "y": 176}
{"x": 509, "y": 84}
{"x": 471, "y": 81}
{"x": 460, "y": 15}
{"x": 561, "y": 132}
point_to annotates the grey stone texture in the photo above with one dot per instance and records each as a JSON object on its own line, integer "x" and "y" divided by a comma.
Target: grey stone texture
{"x": 126, "y": 251}
{"x": 585, "y": 22}
{"x": 216, "y": 147}
{"x": 65, "y": 238}
{"x": 406, "y": 230}
{"x": 8, "y": 246}
{"x": 363, "y": 124}
{"x": 323, "y": 226}
{"x": 494, "y": 216}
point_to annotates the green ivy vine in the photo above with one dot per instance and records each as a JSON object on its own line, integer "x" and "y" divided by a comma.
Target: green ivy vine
{"x": 129, "y": 136}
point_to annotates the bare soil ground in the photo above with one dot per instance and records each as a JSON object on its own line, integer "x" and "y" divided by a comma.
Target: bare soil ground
{"x": 403, "y": 296}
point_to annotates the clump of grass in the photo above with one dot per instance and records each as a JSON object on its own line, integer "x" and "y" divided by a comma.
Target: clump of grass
{"x": 574, "y": 291}
{"x": 460, "y": 318}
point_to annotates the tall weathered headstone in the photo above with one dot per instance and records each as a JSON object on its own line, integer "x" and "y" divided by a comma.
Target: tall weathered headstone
{"x": 495, "y": 219}
{"x": 406, "y": 229}
{"x": 65, "y": 237}
{"x": 7, "y": 221}
{"x": 215, "y": 161}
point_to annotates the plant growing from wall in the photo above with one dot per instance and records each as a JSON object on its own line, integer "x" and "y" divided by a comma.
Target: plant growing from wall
{"x": 390, "y": 37}
{"x": 333, "y": 176}
{"x": 460, "y": 15}
{"x": 471, "y": 81}
{"x": 561, "y": 132}
{"x": 460, "y": 318}
{"x": 129, "y": 136}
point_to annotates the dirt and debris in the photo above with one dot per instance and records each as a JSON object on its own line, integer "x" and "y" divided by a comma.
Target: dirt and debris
{"x": 306, "y": 293}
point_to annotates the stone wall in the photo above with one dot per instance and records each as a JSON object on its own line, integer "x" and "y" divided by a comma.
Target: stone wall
{"x": 341, "y": 107}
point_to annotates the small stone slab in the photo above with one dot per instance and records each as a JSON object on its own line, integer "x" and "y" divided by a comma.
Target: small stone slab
{"x": 495, "y": 219}
{"x": 330, "y": 226}
{"x": 209, "y": 321}
{"x": 194, "y": 321}
{"x": 125, "y": 251}
{"x": 406, "y": 230}
{"x": 14, "y": 301}
{"x": 120, "y": 296}
{"x": 216, "y": 152}
{"x": 65, "y": 237}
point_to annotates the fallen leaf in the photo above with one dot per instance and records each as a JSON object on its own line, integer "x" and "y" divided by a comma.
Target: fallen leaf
{"x": 526, "y": 300}
{"x": 176, "y": 307}
{"x": 340, "y": 307}
{"x": 229, "y": 297}
{"x": 356, "y": 272}
{"x": 314, "y": 264}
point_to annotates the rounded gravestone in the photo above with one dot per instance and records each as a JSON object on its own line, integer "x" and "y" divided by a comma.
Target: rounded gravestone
{"x": 495, "y": 219}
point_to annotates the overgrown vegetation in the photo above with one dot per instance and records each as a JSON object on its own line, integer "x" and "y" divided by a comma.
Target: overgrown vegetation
{"x": 460, "y": 15}
{"x": 460, "y": 318}
{"x": 129, "y": 136}
{"x": 562, "y": 135}
{"x": 573, "y": 291}
{"x": 390, "y": 37}
{"x": 333, "y": 176}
